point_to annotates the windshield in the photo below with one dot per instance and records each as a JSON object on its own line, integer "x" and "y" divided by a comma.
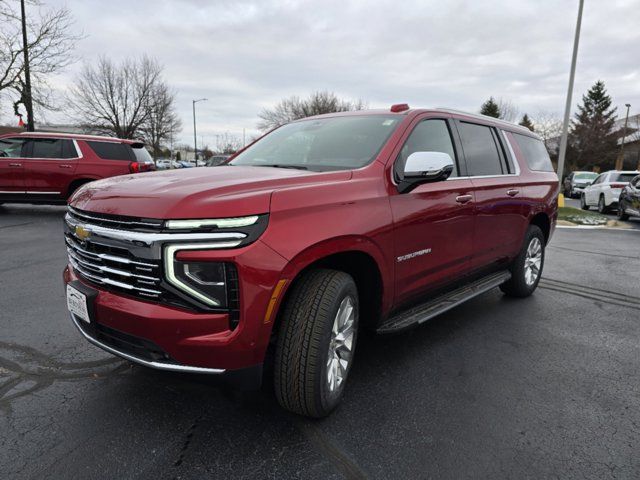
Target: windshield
{"x": 324, "y": 144}
{"x": 585, "y": 176}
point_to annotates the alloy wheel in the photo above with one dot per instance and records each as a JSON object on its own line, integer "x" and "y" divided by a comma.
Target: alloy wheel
{"x": 533, "y": 261}
{"x": 341, "y": 344}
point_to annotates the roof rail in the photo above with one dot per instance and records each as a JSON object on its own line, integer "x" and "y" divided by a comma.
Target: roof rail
{"x": 486, "y": 117}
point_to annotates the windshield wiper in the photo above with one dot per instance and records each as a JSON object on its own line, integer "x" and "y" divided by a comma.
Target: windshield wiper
{"x": 280, "y": 165}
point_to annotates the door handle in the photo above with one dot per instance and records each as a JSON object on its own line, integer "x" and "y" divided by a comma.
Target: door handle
{"x": 15, "y": 164}
{"x": 64, "y": 166}
{"x": 464, "y": 198}
{"x": 513, "y": 192}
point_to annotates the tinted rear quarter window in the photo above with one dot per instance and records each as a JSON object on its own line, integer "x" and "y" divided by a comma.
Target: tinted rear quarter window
{"x": 142, "y": 154}
{"x": 622, "y": 177}
{"x": 113, "y": 151}
{"x": 480, "y": 149}
{"x": 535, "y": 153}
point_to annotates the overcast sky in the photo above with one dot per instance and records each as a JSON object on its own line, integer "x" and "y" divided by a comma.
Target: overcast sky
{"x": 245, "y": 55}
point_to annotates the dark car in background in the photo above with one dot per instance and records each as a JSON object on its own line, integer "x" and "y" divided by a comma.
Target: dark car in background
{"x": 629, "y": 202}
{"x": 575, "y": 183}
{"x": 48, "y": 167}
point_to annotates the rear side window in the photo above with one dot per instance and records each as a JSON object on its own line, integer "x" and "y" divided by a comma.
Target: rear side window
{"x": 428, "y": 136}
{"x": 11, "y": 147}
{"x": 51, "y": 148}
{"x": 480, "y": 149}
{"x": 535, "y": 153}
{"x": 113, "y": 151}
{"x": 142, "y": 154}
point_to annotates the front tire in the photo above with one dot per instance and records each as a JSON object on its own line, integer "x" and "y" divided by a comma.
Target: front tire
{"x": 583, "y": 202}
{"x": 316, "y": 342}
{"x": 526, "y": 269}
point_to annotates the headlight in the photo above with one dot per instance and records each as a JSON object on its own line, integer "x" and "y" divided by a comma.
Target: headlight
{"x": 213, "y": 222}
{"x": 204, "y": 281}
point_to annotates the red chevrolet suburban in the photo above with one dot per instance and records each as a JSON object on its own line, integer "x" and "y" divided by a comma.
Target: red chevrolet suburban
{"x": 322, "y": 228}
{"x": 38, "y": 167}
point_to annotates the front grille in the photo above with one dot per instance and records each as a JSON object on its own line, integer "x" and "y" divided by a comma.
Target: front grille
{"x": 118, "y": 255}
{"x": 117, "y": 221}
{"x": 114, "y": 267}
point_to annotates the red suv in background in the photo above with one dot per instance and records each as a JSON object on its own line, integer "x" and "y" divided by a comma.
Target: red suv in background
{"x": 326, "y": 226}
{"x": 49, "y": 167}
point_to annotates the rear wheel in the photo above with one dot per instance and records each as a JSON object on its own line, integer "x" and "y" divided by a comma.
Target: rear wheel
{"x": 602, "y": 207}
{"x": 583, "y": 202}
{"x": 526, "y": 269}
{"x": 316, "y": 342}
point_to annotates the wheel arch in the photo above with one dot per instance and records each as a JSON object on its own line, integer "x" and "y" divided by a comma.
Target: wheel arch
{"x": 542, "y": 221}
{"x": 77, "y": 183}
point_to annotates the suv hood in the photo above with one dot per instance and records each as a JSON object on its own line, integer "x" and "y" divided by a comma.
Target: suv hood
{"x": 207, "y": 192}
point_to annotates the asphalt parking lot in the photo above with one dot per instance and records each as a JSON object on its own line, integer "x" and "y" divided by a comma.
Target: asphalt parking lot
{"x": 545, "y": 387}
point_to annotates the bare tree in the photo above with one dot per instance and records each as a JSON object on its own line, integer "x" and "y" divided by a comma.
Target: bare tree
{"x": 549, "y": 126}
{"x": 228, "y": 143}
{"x": 508, "y": 111}
{"x": 162, "y": 122}
{"x": 294, "y": 107}
{"x": 51, "y": 40}
{"x": 116, "y": 99}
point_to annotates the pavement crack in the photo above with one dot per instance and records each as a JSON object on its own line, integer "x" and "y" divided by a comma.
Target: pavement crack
{"x": 187, "y": 442}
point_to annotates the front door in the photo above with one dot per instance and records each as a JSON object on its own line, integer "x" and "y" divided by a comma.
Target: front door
{"x": 433, "y": 223}
{"x": 11, "y": 165}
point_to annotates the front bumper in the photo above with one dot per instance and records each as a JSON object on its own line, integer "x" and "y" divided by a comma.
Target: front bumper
{"x": 178, "y": 339}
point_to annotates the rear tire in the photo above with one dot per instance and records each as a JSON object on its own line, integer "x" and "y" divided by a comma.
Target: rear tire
{"x": 602, "y": 207}
{"x": 316, "y": 343}
{"x": 526, "y": 269}
{"x": 583, "y": 202}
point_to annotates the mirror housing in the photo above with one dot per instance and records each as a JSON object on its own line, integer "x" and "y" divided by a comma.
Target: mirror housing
{"x": 425, "y": 167}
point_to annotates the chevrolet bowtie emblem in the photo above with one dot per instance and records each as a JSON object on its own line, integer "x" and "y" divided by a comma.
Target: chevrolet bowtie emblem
{"x": 82, "y": 233}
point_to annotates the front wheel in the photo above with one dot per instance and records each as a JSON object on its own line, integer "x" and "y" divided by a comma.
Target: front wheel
{"x": 583, "y": 202}
{"x": 526, "y": 269}
{"x": 316, "y": 342}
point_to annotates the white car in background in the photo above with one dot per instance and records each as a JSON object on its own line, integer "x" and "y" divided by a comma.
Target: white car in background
{"x": 605, "y": 190}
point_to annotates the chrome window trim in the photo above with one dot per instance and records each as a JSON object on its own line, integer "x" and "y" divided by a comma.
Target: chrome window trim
{"x": 516, "y": 163}
{"x": 42, "y": 193}
{"x": 157, "y": 365}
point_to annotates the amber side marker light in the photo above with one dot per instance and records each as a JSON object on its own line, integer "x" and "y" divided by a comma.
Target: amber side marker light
{"x": 272, "y": 302}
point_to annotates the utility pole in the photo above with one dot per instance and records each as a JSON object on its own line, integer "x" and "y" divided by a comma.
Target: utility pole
{"x": 620, "y": 161}
{"x": 567, "y": 109}
{"x": 195, "y": 137}
{"x": 26, "y": 94}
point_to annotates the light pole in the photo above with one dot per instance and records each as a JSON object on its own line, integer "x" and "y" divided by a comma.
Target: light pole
{"x": 195, "y": 141}
{"x": 620, "y": 162}
{"x": 567, "y": 108}
{"x": 27, "y": 99}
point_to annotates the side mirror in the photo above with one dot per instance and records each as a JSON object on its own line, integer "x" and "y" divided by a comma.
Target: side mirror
{"x": 424, "y": 167}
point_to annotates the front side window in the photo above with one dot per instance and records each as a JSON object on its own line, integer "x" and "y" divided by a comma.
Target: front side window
{"x": 323, "y": 144}
{"x": 429, "y": 136}
{"x": 480, "y": 149}
{"x": 11, "y": 147}
{"x": 535, "y": 153}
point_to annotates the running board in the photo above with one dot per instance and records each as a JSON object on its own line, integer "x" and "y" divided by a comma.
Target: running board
{"x": 426, "y": 311}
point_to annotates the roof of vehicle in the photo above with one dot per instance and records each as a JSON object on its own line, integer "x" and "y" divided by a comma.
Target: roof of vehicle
{"x": 415, "y": 111}
{"x": 95, "y": 138}
{"x": 630, "y": 172}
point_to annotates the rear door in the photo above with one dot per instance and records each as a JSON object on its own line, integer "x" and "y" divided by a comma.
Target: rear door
{"x": 12, "y": 165}
{"x": 433, "y": 223}
{"x": 500, "y": 210}
{"x": 50, "y": 165}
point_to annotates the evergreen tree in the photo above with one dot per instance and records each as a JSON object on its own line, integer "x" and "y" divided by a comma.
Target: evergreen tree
{"x": 526, "y": 122}
{"x": 593, "y": 140}
{"x": 490, "y": 108}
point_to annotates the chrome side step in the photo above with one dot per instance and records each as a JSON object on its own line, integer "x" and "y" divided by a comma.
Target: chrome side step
{"x": 421, "y": 313}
